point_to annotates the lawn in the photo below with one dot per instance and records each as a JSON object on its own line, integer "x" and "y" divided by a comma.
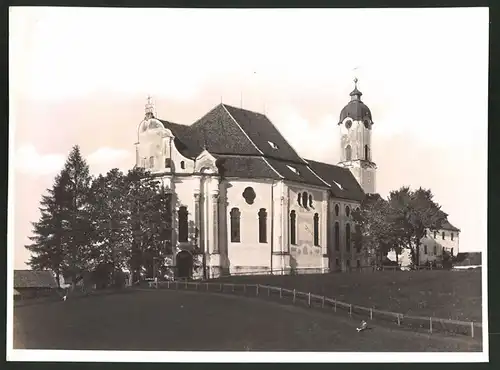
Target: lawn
{"x": 179, "y": 320}
{"x": 444, "y": 294}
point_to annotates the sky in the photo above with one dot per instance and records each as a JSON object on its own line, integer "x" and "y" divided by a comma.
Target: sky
{"x": 82, "y": 75}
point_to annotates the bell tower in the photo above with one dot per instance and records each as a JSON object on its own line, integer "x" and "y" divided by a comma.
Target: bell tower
{"x": 355, "y": 125}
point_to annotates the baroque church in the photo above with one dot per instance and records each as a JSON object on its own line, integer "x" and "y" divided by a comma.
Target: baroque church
{"x": 244, "y": 201}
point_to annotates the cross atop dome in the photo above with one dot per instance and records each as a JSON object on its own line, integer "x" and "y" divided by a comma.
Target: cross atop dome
{"x": 356, "y": 94}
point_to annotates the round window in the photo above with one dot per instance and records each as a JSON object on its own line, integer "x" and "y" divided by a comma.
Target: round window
{"x": 348, "y": 124}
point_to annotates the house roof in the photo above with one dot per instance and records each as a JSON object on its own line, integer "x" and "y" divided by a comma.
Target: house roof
{"x": 448, "y": 226}
{"x": 341, "y": 180}
{"x": 34, "y": 279}
{"x": 468, "y": 258}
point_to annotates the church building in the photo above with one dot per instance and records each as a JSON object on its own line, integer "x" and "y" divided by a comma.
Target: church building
{"x": 246, "y": 202}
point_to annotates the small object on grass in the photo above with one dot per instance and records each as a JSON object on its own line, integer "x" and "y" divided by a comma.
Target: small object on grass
{"x": 363, "y": 326}
{"x": 64, "y": 298}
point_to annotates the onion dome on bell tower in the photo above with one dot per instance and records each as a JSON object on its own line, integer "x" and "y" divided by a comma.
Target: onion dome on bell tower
{"x": 355, "y": 109}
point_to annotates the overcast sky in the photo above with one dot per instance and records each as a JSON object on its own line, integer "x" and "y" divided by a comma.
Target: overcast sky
{"x": 81, "y": 76}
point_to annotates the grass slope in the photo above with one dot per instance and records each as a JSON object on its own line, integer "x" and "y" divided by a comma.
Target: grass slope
{"x": 179, "y": 320}
{"x": 445, "y": 294}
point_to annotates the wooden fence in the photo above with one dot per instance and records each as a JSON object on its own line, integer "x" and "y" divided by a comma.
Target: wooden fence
{"x": 429, "y": 324}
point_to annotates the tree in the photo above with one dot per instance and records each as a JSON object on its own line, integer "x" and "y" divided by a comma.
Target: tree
{"x": 375, "y": 227}
{"x": 77, "y": 253}
{"x": 50, "y": 234}
{"x": 413, "y": 213}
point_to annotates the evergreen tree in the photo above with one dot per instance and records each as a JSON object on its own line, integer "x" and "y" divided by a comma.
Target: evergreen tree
{"x": 78, "y": 252}
{"x": 50, "y": 232}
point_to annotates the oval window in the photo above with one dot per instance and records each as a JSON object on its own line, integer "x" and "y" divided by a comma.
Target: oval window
{"x": 348, "y": 124}
{"x": 367, "y": 123}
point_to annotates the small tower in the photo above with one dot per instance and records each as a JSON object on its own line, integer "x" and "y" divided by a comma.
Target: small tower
{"x": 355, "y": 141}
{"x": 150, "y": 108}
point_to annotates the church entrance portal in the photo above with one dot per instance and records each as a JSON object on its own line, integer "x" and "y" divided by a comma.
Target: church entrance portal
{"x": 184, "y": 263}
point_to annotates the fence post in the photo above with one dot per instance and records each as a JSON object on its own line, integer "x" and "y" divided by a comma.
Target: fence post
{"x": 350, "y": 310}
{"x": 168, "y": 284}
{"x": 281, "y": 293}
{"x": 399, "y": 319}
{"x": 268, "y": 291}
{"x": 371, "y": 313}
{"x": 335, "y": 305}
{"x": 233, "y": 288}
{"x": 294, "y": 296}
{"x": 221, "y": 287}
{"x": 207, "y": 286}
{"x": 257, "y": 290}
{"x": 472, "y": 329}
{"x": 430, "y": 325}
{"x": 323, "y": 302}
{"x": 309, "y": 299}
{"x": 186, "y": 285}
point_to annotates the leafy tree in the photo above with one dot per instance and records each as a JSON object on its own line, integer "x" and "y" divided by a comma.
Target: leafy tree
{"x": 375, "y": 228}
{"x": 413, "y": 213}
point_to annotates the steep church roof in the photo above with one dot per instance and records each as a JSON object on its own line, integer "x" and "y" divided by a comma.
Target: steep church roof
{"x": 341, "y": 180}
{"x": 249, "y": 145}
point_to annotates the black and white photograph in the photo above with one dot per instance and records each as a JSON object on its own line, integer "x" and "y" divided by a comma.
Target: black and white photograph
{"x": 247, "y": 185}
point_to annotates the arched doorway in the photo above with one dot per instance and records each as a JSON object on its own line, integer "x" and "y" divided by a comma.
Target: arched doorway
{"x": 184, "y": 264}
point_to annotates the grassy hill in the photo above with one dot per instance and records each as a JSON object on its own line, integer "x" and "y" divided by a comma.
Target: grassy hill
{"x": 438, "y": 293}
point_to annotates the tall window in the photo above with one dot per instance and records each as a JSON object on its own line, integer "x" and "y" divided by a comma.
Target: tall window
{"x": 435, "y": 250}
{"x": 337, "y": 209}
{"x": 299, "y": 199}
{"x": 348, "y": 237}
{"x": 304, "y": 199}
{"x": 367, "y": 153}
{"x": 442, "y": 235}
{"x": 235, "y": 225}
{"x": 435, "y": 234}
{"x": 348, "y": 153}
{"x": 425, "y": 249}
{"x": 358, "y": 238}
{"x": 262, "y": 226}
{"x": 183, "y": 224}
{"x": 452, "y": 236}
{"x": 151, "y": 162}
{"x": 347, "y": 211}
{"x": 316, "y": 229}
{"x": 337, "y": 236}
{"x": 293, "y": 227}
{"x": 452, "y": 252}
{"x": 183, "y": 165}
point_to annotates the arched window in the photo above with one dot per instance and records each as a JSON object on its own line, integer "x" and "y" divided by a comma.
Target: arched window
{"x": 367, "y": 153}
{"x": 316, "y": 229}
{"x": 443, "y": 235}
{"x": 358, "y": 238}
{"x": 183, "y": 224}
{"x": 347, "y": 211}
{"x": 348, "y": 237}
{"x": 168, "y": 163}
{"x": 337, "y": 209}
{"x": 452, "y": 236}
{"x": 293, "y": 228}
{"x": 435, "y": 234}
{"x": 299, "y": 199}
{"x": 348, "y": 153}
{"x": 310, "y": 200}
{"x": 183, "y": 165}
{"x": 151, "y": 162}
{"x": 337, "y": 236}
{"x": 262, "y": 226}
{"x": 235, "y": 225}
{"x": 304, "y": 199}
